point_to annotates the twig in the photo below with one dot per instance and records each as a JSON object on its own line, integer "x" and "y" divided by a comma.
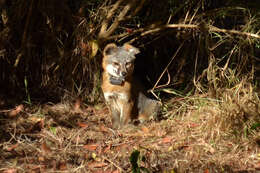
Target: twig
{"x": 110, "y": 161}
{"x": 213, "y": 28}
{"x": 166, "y": 68}
{"x": 139, "y": 7}
{"x": 195, "y": 71}
{"x": 117, "y": 20}
{"x": 106, "y": 31}
{"x": 168, "y": 82}
{"x": 125, "y": 34}
{"x": 194, "y": 26}
{"x": 109, "y": 17}
{"x": 25, "y": 33}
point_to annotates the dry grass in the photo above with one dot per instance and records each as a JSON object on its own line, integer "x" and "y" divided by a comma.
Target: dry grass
{"x": 200, "y": 135}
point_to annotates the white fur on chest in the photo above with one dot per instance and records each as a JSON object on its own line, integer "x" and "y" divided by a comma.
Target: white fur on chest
{"x": 115, "y": 96}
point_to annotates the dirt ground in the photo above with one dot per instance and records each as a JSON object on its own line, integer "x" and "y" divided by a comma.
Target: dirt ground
{"x": 73, "y": 137}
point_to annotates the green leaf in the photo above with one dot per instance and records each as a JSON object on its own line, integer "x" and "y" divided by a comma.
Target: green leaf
{"x": 53, "y": 130}
{"x": 134, "y": 159}
{"x": 255, "y": 126}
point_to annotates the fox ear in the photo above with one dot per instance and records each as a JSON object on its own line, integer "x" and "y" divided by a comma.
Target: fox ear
{"x": 110, "y": 49}
{"x": 131, "y": 49}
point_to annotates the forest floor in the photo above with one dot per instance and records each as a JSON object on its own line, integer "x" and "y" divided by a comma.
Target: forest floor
{"x": 206, "y": 136}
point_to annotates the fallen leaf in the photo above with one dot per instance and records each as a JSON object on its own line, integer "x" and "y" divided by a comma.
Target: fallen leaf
{"x": 257, "y": 166}
{"x": 77, "y": 105}
{"x": 121, "y": 147}
{"x": 41, "y": 159}
{"x": 83, "y": 125}
{"x": 116, "y": 171}
{"x": 103, "y": 128}
{"x": 12, "y": 147}
{"x": 206, "y": 171}
{"x": 107, "y": 148}
{"x": 41, "y": 124}
{"x": 97, "y": 164}
{"x": 63, "y": 166}
{"x": 193, "y": 125}
{"x": 166, "y": 140}
{"x": 90, "y": 147}
{"x": 11, "y": 170}
{"x": 16, "y": 111}
{"x": 35, "y": 119}
{"x": 45, "y": 148}
{"x": 230, "y": 145}
{"x": 145, "y": 129}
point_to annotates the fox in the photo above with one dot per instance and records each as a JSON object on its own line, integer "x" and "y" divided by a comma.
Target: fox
{"x": 124, "y": 94}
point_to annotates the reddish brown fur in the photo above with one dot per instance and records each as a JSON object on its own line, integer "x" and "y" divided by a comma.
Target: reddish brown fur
{"x": 125, "y": 88}
{"x": 124, "y": 109}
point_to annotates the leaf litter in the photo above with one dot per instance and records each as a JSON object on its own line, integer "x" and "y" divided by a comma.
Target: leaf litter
{"x": 73, "y": 138}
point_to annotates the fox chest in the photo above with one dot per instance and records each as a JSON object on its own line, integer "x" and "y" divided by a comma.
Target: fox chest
{"x": 117, "y": 101}
{"x": 116, "y": 97}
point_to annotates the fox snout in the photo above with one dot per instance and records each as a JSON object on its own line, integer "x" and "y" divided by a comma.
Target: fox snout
{"x": 124, "y": 73}
{"x": 117, "y": 71}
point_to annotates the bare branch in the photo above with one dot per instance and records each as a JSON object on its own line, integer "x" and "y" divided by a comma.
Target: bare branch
{"x": 166, "y": 69}
{"x": 110, "y": 14}
{"x": 120, "y": 17}
{"x": 125, "y": 14}
{"x": 215, "y": 29}
{"x": 25, "y": 33}
{"x": 106, "y": 31}
{"x": 195, "y": 26}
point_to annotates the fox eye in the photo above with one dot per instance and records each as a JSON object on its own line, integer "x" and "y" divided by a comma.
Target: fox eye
{"x": 115, "y": 64}
{"x": 128, "y": 64}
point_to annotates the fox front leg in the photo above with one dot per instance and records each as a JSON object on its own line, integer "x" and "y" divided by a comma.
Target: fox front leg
{"x": 126, "y": 113}
{"x": 115, "y": 117}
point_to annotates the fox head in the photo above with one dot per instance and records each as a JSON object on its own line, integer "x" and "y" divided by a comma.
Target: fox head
{"x": 118, "y": 62}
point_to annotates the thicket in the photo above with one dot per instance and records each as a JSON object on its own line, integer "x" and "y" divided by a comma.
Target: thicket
{"x": 52, "y": 48}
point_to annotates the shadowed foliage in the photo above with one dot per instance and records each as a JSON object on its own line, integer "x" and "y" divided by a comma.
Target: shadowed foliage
{"x": 56, "y": 45}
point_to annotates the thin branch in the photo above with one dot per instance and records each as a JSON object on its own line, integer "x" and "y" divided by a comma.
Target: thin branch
{"x": 194, "y": 26}
{"x": 125, "y": 34}
{"x": 215, "y": 29}
{"x": 166, "y": 68}
{"x": 105, "y": 31}
{"x": 110, "y": 14}
{"x": 167, "y": 83}
{"x": 120, "y": 17}
{"x": 110, "y": 161}
{"x": 212, "y": 29}
{"x": 140, "y": 6}
{"x": 25, "y": 32}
